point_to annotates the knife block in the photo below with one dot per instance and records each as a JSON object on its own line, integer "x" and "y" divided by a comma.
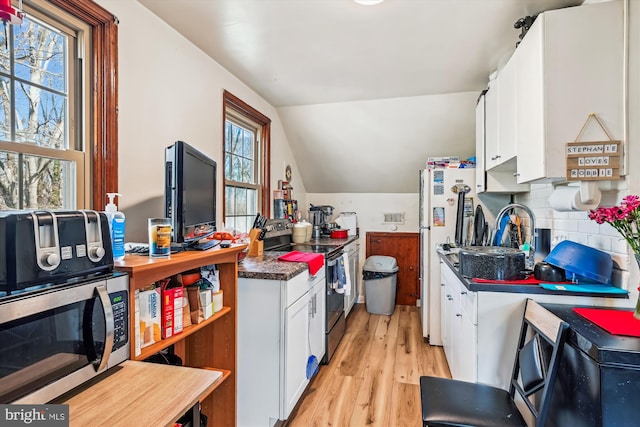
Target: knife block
{"x": 256, "y": 247}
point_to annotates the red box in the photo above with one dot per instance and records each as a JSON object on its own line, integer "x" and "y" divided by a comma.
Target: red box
{"x": 171, "y": 311}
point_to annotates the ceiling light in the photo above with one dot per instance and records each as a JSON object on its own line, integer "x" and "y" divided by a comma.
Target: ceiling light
{"x": 368, "y": 2}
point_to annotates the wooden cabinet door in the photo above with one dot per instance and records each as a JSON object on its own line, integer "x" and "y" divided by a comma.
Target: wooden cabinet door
{"x": 405, "y": 248}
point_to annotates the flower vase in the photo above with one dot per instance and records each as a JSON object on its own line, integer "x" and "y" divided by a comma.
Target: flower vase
{"x": 636, "y": 313}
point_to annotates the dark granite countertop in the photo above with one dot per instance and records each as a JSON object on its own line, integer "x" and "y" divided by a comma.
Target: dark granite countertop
{"x": 268, "y": 267}
{"x": 450, "y": 258}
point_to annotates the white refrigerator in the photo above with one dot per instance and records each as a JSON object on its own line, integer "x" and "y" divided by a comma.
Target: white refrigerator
{"x": 437, "y": 223}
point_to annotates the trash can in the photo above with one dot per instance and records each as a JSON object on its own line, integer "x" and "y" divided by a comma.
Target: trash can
{"x": 380, "y": 274}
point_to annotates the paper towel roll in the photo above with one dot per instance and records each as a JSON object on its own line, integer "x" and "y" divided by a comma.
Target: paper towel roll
{"x": 567, "y": 198}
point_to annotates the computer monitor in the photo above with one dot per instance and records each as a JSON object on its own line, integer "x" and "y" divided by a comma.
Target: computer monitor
{"x": 190, "y": 193}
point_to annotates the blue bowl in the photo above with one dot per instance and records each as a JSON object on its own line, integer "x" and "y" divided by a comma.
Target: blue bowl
{"x": 582, "y": 261}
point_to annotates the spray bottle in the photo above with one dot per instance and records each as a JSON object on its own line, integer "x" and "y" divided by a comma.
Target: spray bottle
{"x": 116, "y": 227}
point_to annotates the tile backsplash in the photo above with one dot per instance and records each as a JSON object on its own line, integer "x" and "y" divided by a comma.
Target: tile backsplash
{"x": 577, "y": 226}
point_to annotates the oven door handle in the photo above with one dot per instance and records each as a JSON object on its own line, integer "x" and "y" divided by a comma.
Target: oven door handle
{"x": 103, "y": 295}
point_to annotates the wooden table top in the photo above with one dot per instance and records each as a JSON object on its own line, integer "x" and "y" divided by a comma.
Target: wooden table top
{"x": 141, "y": 394}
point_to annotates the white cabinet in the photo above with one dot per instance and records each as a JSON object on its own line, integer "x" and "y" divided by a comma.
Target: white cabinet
{"x": 491, "y": 125}
{"x": 353, "y": 251}
{"x": 280, "y": 324}
{"x": 500, "y": 179}
{"x": 480, "y": 329}
{"x": 480, "y": 149}
{"x": 504, "y": 147}
{"x": 296, "y": 327}
{"x": 569, "y": 64}
{"x": 446, "y": 309}
{"x": 317, "y": 322}
{"x": 459, "y": 328}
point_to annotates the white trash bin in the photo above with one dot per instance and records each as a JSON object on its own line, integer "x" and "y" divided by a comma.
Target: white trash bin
{"x": 380, "y": 275}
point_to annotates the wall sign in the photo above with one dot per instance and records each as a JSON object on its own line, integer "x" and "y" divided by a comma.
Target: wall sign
{"x": 594, "y": 161}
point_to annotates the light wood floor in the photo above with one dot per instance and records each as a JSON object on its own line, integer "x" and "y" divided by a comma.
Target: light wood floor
{"x": 373, "y": 378}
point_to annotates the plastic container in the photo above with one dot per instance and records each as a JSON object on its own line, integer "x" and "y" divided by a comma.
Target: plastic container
{"x": 581, "y": 260}
{"x": 380, "y": 275}
{"x": 299, "y": 233}
{"x": 117, "y": 223}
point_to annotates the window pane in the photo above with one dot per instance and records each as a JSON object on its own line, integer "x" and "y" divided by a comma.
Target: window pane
{"x": 230, "y": 223}
{"x": 229, "y": 200}
{"x": 5, "y": 96}
{"x": 247, "y": 171}
{"x": 44, "y": 126}
{"x": 228, "y": 174}
{"x": 241, "y": 201}
{"x": 252, "y": 203}
{"x": 4, "y": 47}
{"x": 236, "y": 173}
{"x": 247, "y": 149}
{"x": 9, "y": 181}
{"x": 227, "y": 136}
{"x": 40, "y": 55}
{"x": 47, "y": 183}
{"x": 236, "y": 137}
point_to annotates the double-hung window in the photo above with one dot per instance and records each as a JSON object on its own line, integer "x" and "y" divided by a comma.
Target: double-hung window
{"x": 246, "y": 164}
{"x": 58, "y": 141}
{"x": 42, "y": 159}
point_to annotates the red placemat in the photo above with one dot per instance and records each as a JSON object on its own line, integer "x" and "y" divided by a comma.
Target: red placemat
{"x": 616, "y": 322}
{"x": 528, "y": 281}
{"x": 313, "y": 260}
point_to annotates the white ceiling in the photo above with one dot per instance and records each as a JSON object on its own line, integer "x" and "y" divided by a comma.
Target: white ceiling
{"x": 300, "y": 53}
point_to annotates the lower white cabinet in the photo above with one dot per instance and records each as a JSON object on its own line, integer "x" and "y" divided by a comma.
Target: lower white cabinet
{"x": 459, "y": 333}
{"x": 480, "y": 329}
{"x": 280, "y": 324}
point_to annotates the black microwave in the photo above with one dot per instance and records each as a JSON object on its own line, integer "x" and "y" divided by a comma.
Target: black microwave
{"x": 55, "y": 339}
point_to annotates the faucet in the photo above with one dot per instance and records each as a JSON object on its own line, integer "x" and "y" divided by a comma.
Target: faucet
{"x": 532, "y": 225}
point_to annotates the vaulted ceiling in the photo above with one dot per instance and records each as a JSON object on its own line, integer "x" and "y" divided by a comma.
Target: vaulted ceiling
{"x": 354, "y": 84}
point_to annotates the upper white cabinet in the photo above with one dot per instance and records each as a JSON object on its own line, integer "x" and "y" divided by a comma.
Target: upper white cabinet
{"x": 480, "y": 141}
{"x": 501, "y": 178}
{"x": 569, "y": 64}
{"x": 506, "y": 94}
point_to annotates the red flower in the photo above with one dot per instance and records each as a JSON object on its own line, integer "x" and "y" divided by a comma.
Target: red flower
{"x": 624, "y": 218}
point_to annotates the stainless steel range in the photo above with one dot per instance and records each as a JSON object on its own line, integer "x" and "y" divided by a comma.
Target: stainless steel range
{"x": 278, "y": 238}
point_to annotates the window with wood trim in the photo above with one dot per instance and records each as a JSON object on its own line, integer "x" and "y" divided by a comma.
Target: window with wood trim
{"x": 246, "y": 154}
{"x": 59, "y": 127}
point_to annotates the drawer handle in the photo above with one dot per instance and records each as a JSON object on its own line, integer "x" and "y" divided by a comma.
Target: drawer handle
{"x": 463, "y": 292}
{"x": 458, "y": 315}
{"x": 441, "y": 284}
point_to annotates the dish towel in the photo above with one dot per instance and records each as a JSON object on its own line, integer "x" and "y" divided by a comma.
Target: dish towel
{"x": 339, "y": 275}
{"x": 343, "y": 281}
{"x": 313, "y": 260}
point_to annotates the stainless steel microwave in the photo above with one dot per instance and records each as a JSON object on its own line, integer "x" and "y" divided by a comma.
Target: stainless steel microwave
{"x": 55, "y": 339}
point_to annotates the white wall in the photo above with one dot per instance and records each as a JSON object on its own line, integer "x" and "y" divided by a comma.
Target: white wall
{"x": 168, "y": 90}
{"x": 370, "y": 209}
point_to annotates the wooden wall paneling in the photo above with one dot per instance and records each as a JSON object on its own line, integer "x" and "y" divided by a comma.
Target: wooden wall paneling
{"x": 405, "y": 248}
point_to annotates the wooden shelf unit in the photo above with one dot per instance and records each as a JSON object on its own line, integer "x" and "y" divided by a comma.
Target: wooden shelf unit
{"x": 211, "y": 344}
